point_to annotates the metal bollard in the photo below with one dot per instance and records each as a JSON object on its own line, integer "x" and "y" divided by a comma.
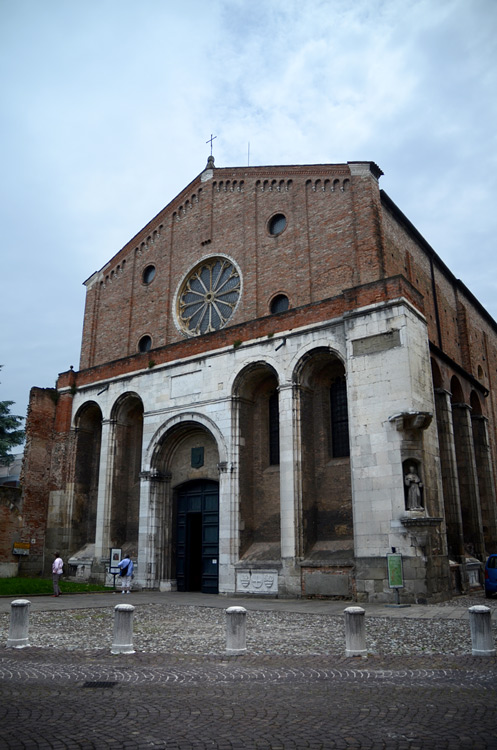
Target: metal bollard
{"x": 355, "y": 639}
{"x": 480, "y": 623}
{"x": 123, "y": 629}
{"x": 19, "y": 624}
{"x": 236, "y": 630}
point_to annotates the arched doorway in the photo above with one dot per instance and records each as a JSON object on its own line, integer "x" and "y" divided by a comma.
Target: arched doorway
{"x": 197, "y": 536}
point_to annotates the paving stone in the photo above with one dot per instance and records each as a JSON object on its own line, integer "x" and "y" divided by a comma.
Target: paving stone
{"x": 419, "y": 687}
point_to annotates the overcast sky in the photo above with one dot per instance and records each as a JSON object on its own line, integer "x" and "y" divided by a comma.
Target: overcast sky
{"x": 107, "y": 106}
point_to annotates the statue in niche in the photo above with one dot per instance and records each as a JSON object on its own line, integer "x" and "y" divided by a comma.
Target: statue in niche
{"x": 414, "y": 487}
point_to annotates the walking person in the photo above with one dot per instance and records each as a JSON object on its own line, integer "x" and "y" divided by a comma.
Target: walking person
{"x": 126, "y": 572}
{"x": 57, "y": 567}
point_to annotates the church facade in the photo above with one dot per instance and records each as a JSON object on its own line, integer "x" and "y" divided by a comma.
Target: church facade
{"x": 282, "y": 389}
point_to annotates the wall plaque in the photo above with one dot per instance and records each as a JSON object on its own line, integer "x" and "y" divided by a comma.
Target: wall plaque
{"x": 257, "y": 582}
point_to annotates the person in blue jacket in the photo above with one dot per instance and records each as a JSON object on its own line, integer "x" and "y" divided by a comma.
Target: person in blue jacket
{"x": 126, "y": 572}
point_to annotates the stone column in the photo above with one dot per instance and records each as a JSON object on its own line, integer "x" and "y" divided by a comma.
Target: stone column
{"x": 450, "y": 480}
{"x": 289, "y": 515}
{"x": 482, "y": 639}
{"x": 355, "y": 639}
{"x": 229, "y": 532}
{"x": 236, "y": 630}
{"x": 122, "y": 642}
{"x": 468, "y": 479}
{"x": 155, "y": 531}
{"x": 19, "y": 624}
{"x": 486, "y": 481}
{"x": 102, "y": 542}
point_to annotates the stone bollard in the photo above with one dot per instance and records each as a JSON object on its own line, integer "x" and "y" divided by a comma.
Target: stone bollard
{"x": 480, "y": 622}
{"x": 19, "y": 624}
{"x": 236, "y": 630}
{"x": 123, "y": 629}
{"x": 355, "y": 640}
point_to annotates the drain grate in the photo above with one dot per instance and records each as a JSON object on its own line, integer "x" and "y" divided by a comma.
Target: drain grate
{"x": 99, "y": 684}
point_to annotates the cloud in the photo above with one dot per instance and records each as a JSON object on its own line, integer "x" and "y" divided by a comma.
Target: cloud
{"x": 108, "y": 105}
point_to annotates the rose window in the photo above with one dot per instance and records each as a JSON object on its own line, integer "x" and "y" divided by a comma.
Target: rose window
{"x": 208, "y": 296}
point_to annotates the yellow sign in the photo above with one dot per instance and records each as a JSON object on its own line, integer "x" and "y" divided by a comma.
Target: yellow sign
{"x": 21, "y": 548}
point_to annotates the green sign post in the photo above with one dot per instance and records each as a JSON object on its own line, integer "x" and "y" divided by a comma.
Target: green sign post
{"x": 395, "y": 575}
{"x": 394, "y": 564}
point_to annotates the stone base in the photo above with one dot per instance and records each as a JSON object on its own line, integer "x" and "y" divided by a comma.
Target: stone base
{"x": 261, "y": 582}
{"x": 168, "y": 585}
{"x": 9, "y": 570}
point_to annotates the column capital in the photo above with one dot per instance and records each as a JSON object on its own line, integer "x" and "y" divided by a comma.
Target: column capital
{"x": 155, "y": 476}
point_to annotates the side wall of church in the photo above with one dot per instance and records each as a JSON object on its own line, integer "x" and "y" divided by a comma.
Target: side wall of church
{"x": 457, "y": 324}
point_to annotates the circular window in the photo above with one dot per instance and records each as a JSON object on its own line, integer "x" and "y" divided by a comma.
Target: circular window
{"x": 148, "y": 274}
{"x": 276, "y": 224}
{"x": 280, "y": 303}
{"x": 145, "y": 344}
{"x": 208, "y": 296}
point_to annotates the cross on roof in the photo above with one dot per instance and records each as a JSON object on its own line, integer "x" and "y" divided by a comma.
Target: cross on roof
{"x": 212, "y": 138}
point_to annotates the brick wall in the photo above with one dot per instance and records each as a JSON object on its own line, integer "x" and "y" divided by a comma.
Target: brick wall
{"x": 10, "y": 524}
{"x": 332, "y": 241}
{"x": 37, "y": 475}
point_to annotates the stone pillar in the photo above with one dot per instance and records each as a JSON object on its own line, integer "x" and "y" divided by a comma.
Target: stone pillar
{"x": 19, "y": 624}
{"x": 486, "y": 482}
{"x": 289, "y": 510}
{"x": 468, "y": 480}
{"x": 229, "y": 532}
{"x": 450, "y": 480}
{"x": 122, "y": 642}
{"x": 355, "y": 639}
{"x": 102, "y": 542}
{"x": 287, "y": 464}
{"x": 236, "y": 630}
{"x": 480, "y": 622}
{"x": 155, "y": 531}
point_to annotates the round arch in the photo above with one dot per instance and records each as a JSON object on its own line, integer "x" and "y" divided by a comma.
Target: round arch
{"x": 184, "y": 421}
{"x": 184, "y": 460}
{"x": 436, "y": 374}
{"x": 88, "y": 424}
{"x": 456, "y": 390}
{"x": 251, "y": 363}
{"x": 315, "y": 349}
{"x": 127, "y": 444}
{"x": 319, "y": 378}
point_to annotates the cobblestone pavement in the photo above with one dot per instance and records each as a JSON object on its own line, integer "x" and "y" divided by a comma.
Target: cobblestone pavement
{"x": 418, "y": 688}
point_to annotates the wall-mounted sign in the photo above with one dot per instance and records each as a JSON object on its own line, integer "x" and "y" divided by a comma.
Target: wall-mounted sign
{"x": 21, "y": 548}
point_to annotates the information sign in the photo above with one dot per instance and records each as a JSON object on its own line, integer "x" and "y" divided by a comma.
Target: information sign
{"x": 115, "y": 559}
{"x": 395, "y": 576}
{"x": 21, "y": 548}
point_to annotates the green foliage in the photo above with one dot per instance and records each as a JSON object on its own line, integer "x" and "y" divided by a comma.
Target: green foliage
{"x": 11, "y": 433}
{"x": 32, "y": 586}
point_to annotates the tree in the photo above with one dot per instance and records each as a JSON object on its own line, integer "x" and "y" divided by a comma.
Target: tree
{"x": 11, "y": 433}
